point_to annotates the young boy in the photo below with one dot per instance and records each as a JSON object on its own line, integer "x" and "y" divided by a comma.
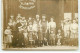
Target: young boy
{"x": 59, "y": 38}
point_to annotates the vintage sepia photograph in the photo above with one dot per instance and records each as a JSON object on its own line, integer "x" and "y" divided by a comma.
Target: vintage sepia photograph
{"x": 39, "y": 25}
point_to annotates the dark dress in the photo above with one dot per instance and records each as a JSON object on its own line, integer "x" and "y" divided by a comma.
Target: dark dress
{"x": 15, "y": 35}
{"x": 21, "y": 42}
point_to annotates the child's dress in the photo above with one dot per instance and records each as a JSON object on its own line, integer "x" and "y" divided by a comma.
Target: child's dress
{"x": 59, "y": 39}
{"x": 8, "y": 36}
{"x": 35, "y": 30}
{"x": 30, "y": 30}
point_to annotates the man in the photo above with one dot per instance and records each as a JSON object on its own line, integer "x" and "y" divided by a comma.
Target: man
{"x": 52, "y": 29}
{"x": 66, "y": 32}
{"x": 23, "y": 21}
{"x": 18, "y": 16}
{"x": 29, "y": 20}
{"x": 74, "y": 33}
{"x": 38, "y": 21}
{"x": 44, "y": 29}
{"x": 11, "y": 22}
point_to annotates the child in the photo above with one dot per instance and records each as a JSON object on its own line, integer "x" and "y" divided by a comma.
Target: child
{"x": 59, "y": 38}
{"x": 25, "y": 38}
{"x": 8, "y": 37}
{"x": 30, "y": 33}
{"x": 52, "y": 38}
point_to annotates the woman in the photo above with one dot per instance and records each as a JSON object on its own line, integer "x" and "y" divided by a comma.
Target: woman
{"x": 35, "y": 35}
{"x": 52, "y": 28}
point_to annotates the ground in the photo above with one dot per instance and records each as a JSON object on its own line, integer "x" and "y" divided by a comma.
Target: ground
{"x": 47, "y": 48}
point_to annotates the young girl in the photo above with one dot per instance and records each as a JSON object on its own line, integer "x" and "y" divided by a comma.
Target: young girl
{"x": 25, "y": 37}
{"x": 30, "y": 33}
{"x": 8, "y": 37}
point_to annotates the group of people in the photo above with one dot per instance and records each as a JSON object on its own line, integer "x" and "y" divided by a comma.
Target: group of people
{"x": 36, "y": 32}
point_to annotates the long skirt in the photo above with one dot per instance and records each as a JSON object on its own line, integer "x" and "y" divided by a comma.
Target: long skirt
{"x": 15, "y": 38}
{"x": 40, "y": 36}
{"x": 21, "y": 42}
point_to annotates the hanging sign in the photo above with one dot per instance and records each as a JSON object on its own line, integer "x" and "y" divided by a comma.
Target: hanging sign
{"x": 27, "y": 4}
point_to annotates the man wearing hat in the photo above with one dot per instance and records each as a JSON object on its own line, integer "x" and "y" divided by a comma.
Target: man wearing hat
{"x": 74, "y": 33}
{"x": 66, "y": 32}
{"x": 38, "y": 21}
